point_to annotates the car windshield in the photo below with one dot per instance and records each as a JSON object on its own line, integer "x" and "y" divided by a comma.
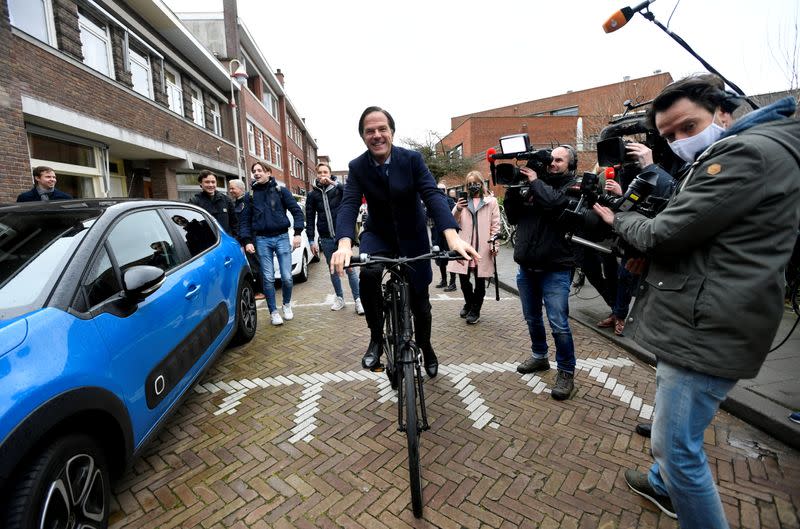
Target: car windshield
{"x": 34, "y": 245}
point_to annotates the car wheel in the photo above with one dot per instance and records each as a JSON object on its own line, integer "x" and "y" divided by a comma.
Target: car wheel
{"x": 303, "y": 275}
{"x": 68, "y": 485}
{"x": 246, "y": 313}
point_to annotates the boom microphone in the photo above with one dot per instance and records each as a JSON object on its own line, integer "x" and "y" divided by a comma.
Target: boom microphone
{"x": 621, "y": 17}
{"x": 490, "y": 153}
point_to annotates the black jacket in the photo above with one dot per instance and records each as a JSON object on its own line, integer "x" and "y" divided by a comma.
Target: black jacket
{"x": 34, "y": 196}
{"x": 540, "y": 242}
{"x": 315, "y": 205}
{"x": 221, "y": 208}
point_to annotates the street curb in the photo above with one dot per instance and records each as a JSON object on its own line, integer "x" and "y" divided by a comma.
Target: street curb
{"x": 752, "y": 408}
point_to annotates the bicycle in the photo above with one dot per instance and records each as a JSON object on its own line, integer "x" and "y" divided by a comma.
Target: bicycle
{"x": 508, "y": 232}
{"x": 404, "y": 358}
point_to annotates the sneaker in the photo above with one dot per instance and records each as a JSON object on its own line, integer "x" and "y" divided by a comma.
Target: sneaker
{"x": 795, "y": 417}
{"x": 644, "y": 429}
{"x": 260, "y": 296}
{"x": 359, "y": 307}
{"x": 639, "y": 484}
{"x": 287, "y": 312}
{"x": 474, "y": 317}
{"x": 532, "y": 365}
{"x": 607, "y": 322}
{"x": 564, "y": 386}
{"x": 450, "y": 288}
{"x": 338, "y": 303}
{"x": 275, "y": 318}
{"x": 464, "y": 310}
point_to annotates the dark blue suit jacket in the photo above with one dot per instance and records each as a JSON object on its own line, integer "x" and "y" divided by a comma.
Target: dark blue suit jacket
{"x": 34, "y": 196}
{"x": 397, "y": 220}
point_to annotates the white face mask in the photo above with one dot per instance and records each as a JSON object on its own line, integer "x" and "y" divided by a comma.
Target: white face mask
{"x": 687, "y": 149}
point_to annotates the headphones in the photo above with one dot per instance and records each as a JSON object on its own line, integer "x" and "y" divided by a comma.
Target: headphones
{"x": 573, "y": 157}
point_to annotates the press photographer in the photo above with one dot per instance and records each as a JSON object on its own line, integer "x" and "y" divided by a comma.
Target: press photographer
{"x": 545, "y": 259}
{"x": 711, "y": 301}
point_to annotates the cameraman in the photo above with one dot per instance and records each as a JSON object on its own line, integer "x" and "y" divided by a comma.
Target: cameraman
{"x": 712, "y": 299}
{"x": 545, "y": 261}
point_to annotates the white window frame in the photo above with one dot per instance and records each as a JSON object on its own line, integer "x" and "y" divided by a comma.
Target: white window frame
{"x": 174, "y": 90}
{"x": 48, "y": 23}
{"x": 267, "y": 148}
{"x": 251, "y": 138}
{"x": 272, "y": 101}
{"x": 278, "y": 155}
{"x": 216, "y": 118}
{"x": 101, "y": 33}
{"x": 143, "y": 61}
{"x": 198, "y": 109}
{"x": 259, "y": 143}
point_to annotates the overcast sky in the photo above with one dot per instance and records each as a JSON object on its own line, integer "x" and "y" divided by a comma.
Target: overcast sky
{"x": 427, "y": 61}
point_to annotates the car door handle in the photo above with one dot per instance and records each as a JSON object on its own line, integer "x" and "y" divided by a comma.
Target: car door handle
{"x": 228, "y": 262}
{"x": 192, "y": 292}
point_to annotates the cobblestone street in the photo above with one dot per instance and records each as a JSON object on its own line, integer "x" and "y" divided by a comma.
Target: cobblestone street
{"x": 289, "y": 431}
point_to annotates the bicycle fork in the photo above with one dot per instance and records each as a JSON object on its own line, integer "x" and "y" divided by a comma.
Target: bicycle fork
{"x": 411, "y": 355}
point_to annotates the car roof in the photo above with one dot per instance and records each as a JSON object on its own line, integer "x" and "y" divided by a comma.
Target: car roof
{"x": 87, "y": 203}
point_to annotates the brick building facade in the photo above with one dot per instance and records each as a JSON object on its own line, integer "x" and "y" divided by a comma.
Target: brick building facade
{"x": 116, "y": 95}
{"x": 272, "y": 130}
{"x": 574, "y": 118}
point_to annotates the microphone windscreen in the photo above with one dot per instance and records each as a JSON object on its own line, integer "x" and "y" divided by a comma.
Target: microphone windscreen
{"x": 615, "y": 21}
{"x": 490, "y": 154}
{"x": 610, "y": 175}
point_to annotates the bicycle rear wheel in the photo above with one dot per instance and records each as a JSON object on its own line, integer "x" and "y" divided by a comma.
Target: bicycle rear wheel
{"x": 412, "y": 434}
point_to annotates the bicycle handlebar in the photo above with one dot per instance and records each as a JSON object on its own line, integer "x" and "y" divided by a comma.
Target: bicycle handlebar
{"x": 365, "y": 259}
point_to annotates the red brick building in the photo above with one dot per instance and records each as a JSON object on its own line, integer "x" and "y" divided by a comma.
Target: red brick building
{"x": 574, "y": 118}
{"x": 272, "y": 130}
{"x": 116, "y": 95}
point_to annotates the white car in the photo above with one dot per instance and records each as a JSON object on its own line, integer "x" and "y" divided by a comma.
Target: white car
{"x": 301, "y": 255}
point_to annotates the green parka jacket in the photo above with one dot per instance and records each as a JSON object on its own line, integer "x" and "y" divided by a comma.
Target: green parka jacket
{"x": 713, "y": 296}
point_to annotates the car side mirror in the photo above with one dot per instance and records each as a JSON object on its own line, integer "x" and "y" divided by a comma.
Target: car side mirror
{"x": 140, "y": 281}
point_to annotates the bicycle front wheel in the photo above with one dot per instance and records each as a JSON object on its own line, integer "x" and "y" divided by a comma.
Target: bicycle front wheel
{"x": 412, "y": 433}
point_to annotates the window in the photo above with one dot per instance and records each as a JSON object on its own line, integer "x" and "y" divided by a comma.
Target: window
{"x": 251, "y": 138}
{"x": 101, "y": 281}
{"x": 457, "y": 153}
{"x": 142, "y": 239}
{"x": 570, "y": 111}
{"x": 298, "y": 171}
{"x": 276, "y": 160}
{"x": 267, "y": 149}
{"x": 216, "y": 118}
{"x": 141, "y": 75}
{"x": 96, "y": 46}
{"x": 195, "y": 229}
{"x": 174, "y": 90}
{"x": 259, "y": 143}
{"x": 271, "y": 102}
{"x": 198, "y": 110}
{"x": 34, "y": 17}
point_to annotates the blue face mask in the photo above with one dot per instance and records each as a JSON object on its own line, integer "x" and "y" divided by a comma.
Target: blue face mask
{"x": 687, "y": 149}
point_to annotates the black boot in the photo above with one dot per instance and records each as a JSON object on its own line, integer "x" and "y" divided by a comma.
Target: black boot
{"x": 431, "y": 362}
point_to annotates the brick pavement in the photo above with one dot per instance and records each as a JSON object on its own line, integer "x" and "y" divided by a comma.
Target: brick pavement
{"x": 288, "y": 431}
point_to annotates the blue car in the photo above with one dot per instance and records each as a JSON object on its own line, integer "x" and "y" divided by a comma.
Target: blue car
{"x": 110, "y": 310}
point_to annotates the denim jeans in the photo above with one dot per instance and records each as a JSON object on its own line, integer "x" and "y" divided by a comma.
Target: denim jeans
{"x": 328, "y": 246}
{"x": 627, "y": 284}
{"x": 552, "y": 289}
{"x": 686, "y": 402}
{"x": 266, "y": 247}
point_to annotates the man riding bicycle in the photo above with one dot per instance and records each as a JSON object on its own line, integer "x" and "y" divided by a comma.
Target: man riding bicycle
{"x": 396, "y": 184}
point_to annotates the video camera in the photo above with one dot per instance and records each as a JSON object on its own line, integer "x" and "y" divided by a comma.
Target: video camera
{"x": 516, "y": 147}
{"x": 579, "y": 215}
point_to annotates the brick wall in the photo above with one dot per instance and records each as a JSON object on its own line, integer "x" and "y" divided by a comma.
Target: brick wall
{"x": 15, "y": 169}
{"x": 72, "y": 87}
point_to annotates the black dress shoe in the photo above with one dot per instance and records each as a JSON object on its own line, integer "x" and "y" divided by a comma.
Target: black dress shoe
{"x": 644, "y": 429}
{"x": 441, "y": 285}
{"x": 372, "y": 358}
{"x": 431, "y": 364}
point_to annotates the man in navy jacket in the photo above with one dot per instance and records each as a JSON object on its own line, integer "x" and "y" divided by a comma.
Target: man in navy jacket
{"x": 44, "y": 188}
{"x": 393, "y": 180}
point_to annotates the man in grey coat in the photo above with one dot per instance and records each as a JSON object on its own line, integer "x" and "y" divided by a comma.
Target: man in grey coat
{"x": 711, "y": 301}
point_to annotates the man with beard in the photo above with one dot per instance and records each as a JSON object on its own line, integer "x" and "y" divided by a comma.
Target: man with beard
{"x": 546, "y": 260}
